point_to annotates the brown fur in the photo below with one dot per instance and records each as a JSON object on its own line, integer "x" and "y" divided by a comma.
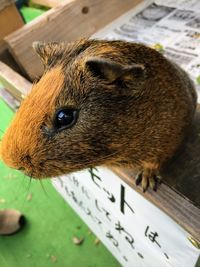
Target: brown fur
{"x": 135, "y": 112}
{"x": 20, "y": 142}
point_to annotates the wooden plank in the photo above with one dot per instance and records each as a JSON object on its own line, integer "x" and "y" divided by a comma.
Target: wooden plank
{"x": 2, "y": 46}
{"x": 5, "y": 3}
{"x": 7, "y": 58}
{"x": 17, "y": 85}
{"x": 183, "y": 171}
{"x": 10, "y": 20}
{"x": 69, "y": 21}
{"x": 179, "y": 195}
{"x": 8, "y": 98}
{"x": 48, "y": 3}
{"x": 180, "y": 209}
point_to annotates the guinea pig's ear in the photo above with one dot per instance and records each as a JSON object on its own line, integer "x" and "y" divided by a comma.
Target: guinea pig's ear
{"x": 112, "y": 71}
{"x": 47, "y": 51}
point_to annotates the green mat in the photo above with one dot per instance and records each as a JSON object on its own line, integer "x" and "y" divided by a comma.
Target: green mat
{"x": 51, "y": 225}
{"x": 29, "y": 13}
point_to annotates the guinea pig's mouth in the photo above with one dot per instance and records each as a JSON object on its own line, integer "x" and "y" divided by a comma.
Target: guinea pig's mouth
{"x": 36, "y": 171}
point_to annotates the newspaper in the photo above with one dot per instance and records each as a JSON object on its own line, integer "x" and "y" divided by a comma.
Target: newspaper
{"x": 173, "y": 27}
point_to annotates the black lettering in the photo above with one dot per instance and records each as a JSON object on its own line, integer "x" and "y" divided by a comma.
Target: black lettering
{"x": 94, "y": 176}
{"x": 123, "y": 202}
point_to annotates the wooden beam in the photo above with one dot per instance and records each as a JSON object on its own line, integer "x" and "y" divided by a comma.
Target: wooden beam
{"x": 69, "y": 21}
{"x": 5, "y": 3}
{"x": 17, "y": 85}
{"x": 176, "y": 206}
{"x": 48, "y": 3}
{"x": 8, "y": 98}
{"x": 179, "y": 195}
{"x": 10, "y": 20}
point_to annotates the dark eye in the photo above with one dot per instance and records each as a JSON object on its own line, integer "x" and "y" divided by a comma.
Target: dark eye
{"x": 65, "y": 118}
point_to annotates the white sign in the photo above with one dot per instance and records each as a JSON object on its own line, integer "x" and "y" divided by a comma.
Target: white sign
{"x": 172, "y": 26}
{"x": 136, "y": 232}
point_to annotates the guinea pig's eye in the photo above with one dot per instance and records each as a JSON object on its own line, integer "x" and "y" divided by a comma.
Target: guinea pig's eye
{"x": 65, "y": 118}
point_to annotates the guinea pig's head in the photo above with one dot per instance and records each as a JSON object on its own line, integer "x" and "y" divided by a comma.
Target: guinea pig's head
{"x": 76, "y": 115}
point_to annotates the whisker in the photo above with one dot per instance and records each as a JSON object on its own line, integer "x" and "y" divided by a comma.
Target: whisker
{"x": 24, "y": 191}
{"x": 27, "y": 190}
{"x": 22, "y": 181}
{"x": 29, "y": 184}
{"x": 43, "y": 188}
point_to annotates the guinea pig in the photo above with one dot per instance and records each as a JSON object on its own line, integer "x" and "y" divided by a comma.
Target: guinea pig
{"x": 101, "y": 103}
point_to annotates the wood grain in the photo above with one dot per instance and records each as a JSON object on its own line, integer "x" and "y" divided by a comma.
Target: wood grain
{"x": 5, "y": 3}
{"x": 179, "y": 195}
{"x": 179, "y": 208}
{"x": 17, "y": 85}
{"x": 48, "y": 3}
{"x": 10, "y": 20}
{"x": 183, "y": 171}
{"x": 9, "y": 99}
{"x": 67, "y": 22}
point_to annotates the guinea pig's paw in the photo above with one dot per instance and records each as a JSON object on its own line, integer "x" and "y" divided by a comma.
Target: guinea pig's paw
{"x": 148, "y": 178}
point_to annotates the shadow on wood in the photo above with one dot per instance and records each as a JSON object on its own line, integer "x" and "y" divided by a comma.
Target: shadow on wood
{"x": 183, "y": 172}
{"x": 179, "y": 194}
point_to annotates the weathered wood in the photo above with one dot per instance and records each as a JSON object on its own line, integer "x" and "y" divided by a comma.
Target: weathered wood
{"x": 13, "y": 82}
{"x": 10, "y": 20}
{"x": 48, "y": 3}
{"x": 183, "y": 171}
{"x": 69, "y": 21}
{"x": 9, "y": 99}
{"x": 179, "y": 208}
{"x": 5, "y": 3}
{"x": 179, "y": 195}
{"x": 7, "y": 58}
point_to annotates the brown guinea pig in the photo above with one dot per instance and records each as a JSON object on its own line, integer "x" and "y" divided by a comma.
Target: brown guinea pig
{"x": 101, "y": 103}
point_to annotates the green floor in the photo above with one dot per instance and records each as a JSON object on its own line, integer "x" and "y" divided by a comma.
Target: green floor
{"x": 51, "y": 224}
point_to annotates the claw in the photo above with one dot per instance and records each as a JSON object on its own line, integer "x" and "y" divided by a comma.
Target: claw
{"x": 145, "y": 183}
{"x": 158, "y": 179}
{"x": 152, "y": 183}
{"x": 138, "y": 178}
{"x": 148, "y": 178}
